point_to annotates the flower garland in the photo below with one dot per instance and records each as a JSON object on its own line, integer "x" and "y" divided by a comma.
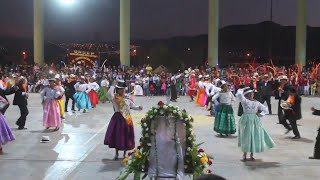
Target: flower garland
{"x": 196, "y": 161}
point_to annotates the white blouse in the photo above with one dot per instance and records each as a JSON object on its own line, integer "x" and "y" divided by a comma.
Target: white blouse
{"x": 49, "y": 93}
{"x": 226, "y": 98}
{"x": 94, "y": 86}
{"x": 250, "y": 106}
{"x": 104, "y": 83}
{"x": 128, "y": 101}
{"x": 82, "y": 87}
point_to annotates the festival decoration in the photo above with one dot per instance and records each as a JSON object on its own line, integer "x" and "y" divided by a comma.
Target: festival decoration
{"x": 196, "y": 161}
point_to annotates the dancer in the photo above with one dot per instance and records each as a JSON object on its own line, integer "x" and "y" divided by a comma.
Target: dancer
{"x": 5, "y": 131}
{"x": 292, "y": 112}
{"x": 103, "y": 90}
{"x": 252, "y": 137}
{"x": 70, "y": 91}
{"x": 120, "y": 133}
{"x": 60, "y": 98}
{"x": 282, "y": 93}
{"x": 266, "y": 91}
{"x": 204, "y": 94}
{"x": 192, "y": 87}
{"x": 224, "y": 122}
{"x": 51, "y": 109}
{"x": 174, "y": 95}
{"x": 3, "y": 93}
{"x": 316, "y": 154}
{"x": 93, "y": 92}
{"x": 21, "y": 100}
{"x": 200, "y": 90}
{"x": 81, "y": 97}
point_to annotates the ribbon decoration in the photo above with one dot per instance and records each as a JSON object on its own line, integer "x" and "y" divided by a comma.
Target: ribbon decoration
{"x": 274, "y": 70}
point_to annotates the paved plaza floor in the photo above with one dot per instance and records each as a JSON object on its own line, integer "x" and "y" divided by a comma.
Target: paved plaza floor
{"x": 76, "y": 151}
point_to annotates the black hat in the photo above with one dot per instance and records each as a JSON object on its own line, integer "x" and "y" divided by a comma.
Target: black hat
{"x": 121, "y": 84}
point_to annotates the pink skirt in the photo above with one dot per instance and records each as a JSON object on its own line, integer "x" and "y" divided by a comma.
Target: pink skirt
{"x": 204, "y": 98}
{"x": 51, "y": 113}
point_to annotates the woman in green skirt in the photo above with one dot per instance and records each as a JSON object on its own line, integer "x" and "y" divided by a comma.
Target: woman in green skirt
{"x": 224, "y": 121}
{"x": 252, "y": 137}
{"x": 103, "y": 90}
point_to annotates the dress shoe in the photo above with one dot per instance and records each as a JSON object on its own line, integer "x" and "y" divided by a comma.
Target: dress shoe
{"x": 21, "y": 128}
{"x": 296, "y": 137}
{"x": 312, "y": 157}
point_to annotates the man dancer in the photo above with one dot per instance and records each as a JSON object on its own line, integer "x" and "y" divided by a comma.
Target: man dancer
{"x": 316, "y": 154}
{"x": 293, "y": 113}
{"x": 174, "y": 95}
{"x": 211, "y": 90}
{"x": 20, "y": 99}
{"x": 70, "y": 91}
{"x": 266, "y": 91}
{"x": 281, "y": 94}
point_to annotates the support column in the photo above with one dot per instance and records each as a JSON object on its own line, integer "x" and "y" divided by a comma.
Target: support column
{"x": 38, "y": 31}
{"x": 301, "y": 32}
{"x": 125, "y": 32}
{"x": 213, "y": 33}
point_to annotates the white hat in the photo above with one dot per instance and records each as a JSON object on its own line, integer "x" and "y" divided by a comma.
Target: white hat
{"x": 200, "y": 76}
{"x": 45, "y": 139}
{"x": 283, "y": 77}
{"x": 285, "y": 105}
{"x": 57, "y": 76}
{"x": 247, "y": 90}
{"x": 72, "y": 76}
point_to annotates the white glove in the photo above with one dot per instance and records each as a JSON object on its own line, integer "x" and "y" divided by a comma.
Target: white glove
{"x": 24, "y": 93}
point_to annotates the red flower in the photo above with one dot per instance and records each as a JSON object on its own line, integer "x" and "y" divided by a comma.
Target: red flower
{"x": 209, "y": 171}
{"x": 184, "y": 111}
{"x": 160, "y": 103}
{"x": 210, "y": 162}
{"x": 200, "y": 150}
{"x": 139, "y": 147}
{"x": 130, "y": 153}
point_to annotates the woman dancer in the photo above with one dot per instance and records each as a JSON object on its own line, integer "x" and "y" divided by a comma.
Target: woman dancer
{"x": 81, "y": 97}
{"x": 252, "y": 137}
{"x": 5, "y": 131}
{"x": 60, "y": 98}
{"x": 204, "y": 94}
{"x": 120, "y": 133}
{"x": 93, "y": 92}
{"x": 51, "y": 109}
{"x": 192, "y": 87}
{"x": 224, "y": 122}
{"x": 200, "y": 90}
{"x": 103, "y": 90}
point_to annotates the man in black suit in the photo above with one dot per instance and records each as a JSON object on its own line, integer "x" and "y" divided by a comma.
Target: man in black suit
{"x": 20, "y": 99}
{"x": 316, "y": 154}
{"x": 281, "y": 93}
{"x": 293, "y": 114}
{"x": 265, "y": 87}
{"x": 70, "y": 91}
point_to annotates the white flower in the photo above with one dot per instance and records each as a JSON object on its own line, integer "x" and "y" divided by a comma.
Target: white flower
{"x": 142, "y": 166}
{"x": 187, "y": 153}
{"x": 181, "y": 118}
{"x": 174, "y": 111}
{"x": 186, "y": 119}
{"x": 185, "y": 166}
{"x": 129, "y": 161}
{"x": 165, "y": 106}
{"x": 145, "y": 124}
{"x": 189, "y": 138}
{"x": 179, "y": 114}
{"x": 147, "y": 129}
{"x": 146, "y": 135}
{"x": 190, "y": 129}
{"x": 170, "y": 105}
{"x": 161, "y": 112}
{"x": 150, "y": 116}
{"x": 155, "y": 111}
{"x": 184, "y": 124}
{"x": 149, "y": 144}
{"x": 188, "y": 149}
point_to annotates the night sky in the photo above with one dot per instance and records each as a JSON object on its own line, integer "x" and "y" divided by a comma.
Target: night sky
{"x": 149, "y": 18}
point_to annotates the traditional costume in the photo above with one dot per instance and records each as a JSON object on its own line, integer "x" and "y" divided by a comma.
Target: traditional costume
{"x": 51, "y": 109}
{"x": 120, "y": 133}
{"x": 103, "y": 91}
{"x": 204, "y": 94}
{"x": 316, "y": 153}
{"x": 192, "y": 87}
{"x": 6, "y": 134}
{"x": 60, "y": 100}
{"x": 252, "y": 137}
{"x": 200, "y": 91}
{"x": 93, "y": 93}
{"x": 224, "y": 121}
{"x": 70, "y": 91}
{"x": 81, "y": 97}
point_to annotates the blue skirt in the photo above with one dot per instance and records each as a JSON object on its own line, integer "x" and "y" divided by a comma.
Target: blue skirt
{"x": 82, "y": 100}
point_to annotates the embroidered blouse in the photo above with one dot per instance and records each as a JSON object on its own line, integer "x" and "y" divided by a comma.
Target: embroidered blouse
{"x": 226, "y": 98}
{"x": 251, "y": 106}
{"x": 50, "y": 93}
{"x": 82, "y": 87}
{"x": 94, "y": 86}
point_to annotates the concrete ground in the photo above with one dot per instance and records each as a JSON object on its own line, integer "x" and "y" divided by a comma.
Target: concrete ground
{"x": 77, "y": 150}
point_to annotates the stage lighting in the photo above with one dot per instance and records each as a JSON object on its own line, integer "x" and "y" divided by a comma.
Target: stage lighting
{"x": 67, "y": 1}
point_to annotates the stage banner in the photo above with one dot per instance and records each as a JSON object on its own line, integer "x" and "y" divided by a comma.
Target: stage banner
{"x": 85, "y": 58}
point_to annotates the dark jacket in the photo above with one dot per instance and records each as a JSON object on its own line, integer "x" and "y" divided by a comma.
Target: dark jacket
{"x": 295, "y": 113}
{"x": 8, "y": 91}
{"x": 266, "y": 89}
{"x": 70, "y": 90}
{"x": 19, "y": 99}
{"x": 285, "y": 92}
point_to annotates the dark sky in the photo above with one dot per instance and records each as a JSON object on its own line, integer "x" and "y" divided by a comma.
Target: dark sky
{"x": 149, "y": 18}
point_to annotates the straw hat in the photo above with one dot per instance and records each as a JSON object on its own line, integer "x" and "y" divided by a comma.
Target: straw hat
{"x": 121, "y": 84}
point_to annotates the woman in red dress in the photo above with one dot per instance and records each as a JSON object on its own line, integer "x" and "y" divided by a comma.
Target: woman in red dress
{"x": 192, "y": 87}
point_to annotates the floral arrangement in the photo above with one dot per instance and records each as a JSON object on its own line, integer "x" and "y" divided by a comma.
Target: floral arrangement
{"x": 196, "y": 161}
